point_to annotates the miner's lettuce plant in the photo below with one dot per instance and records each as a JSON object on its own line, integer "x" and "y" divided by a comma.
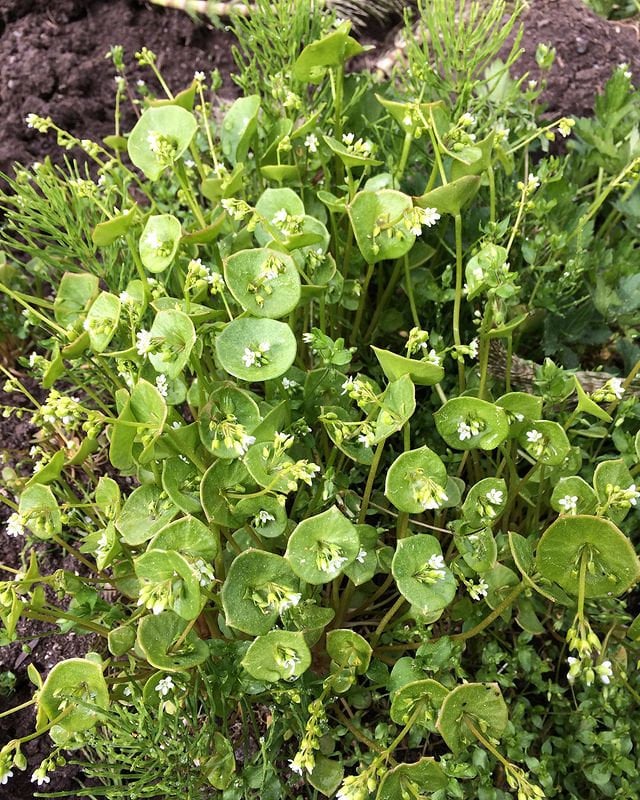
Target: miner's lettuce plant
{"x": 315, "y": 525}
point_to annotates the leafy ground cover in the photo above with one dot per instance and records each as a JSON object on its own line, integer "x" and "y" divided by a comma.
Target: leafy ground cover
{"x": 324, "y": 546}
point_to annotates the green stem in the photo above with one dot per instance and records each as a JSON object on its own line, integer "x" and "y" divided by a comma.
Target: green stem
{"x": 457, "y": 303}
{"x": 409, "y": 288}
{"x": 502, "y": 606}
{"x": 404, "y": 156}
{"x": 386, "y": 619}
{"x": 373, "y": 470}
{"x": 362, "y": 303}
{"x": 391, "y": 285}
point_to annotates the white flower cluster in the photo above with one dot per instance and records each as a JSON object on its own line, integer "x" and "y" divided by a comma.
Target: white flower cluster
{"x": 256, "y": 357}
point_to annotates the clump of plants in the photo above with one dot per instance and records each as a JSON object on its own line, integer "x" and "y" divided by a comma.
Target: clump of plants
{"x": 329, "y": 544}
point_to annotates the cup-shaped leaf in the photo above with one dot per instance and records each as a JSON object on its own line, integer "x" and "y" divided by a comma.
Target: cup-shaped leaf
{"x": 365, "y": 566}
{"x": 173, "y": 337}
{"x": 416, "y": 481}
{"x": 227, "y": 420}
{"x": 181, "y": 481}
{"x": 349, "y": 649}
{"x": 610, "y": 562}
{"x": 485, "y": 501}
{"x": 545, "y": 441}
{"x": 220, "y": 767}
{"x": 159, "y": 241}
{"x": 159, "y": 138}
{"x": 73, "y": 687}
{"x": 481, "y": 705}
{"x": 615, "y": 489}
{"x": 160, "y": 640}
{"x": 167, "y": 580}
{"x": 422, "y": 373}
{"x": 421, "y": 574}
{"x": 258, "y": 588}
{"x": 221, "y": 484}
{"x": 423, "y": 697}
{"x": 39, "y": 511}
{"x": 424, "y": 775}
{"x": 238, "y": 128}
{"x": 256, "y": 349}
{"x": 466, "y": 423}
{"x": 102, "y": 321}
{"x": 322, "y": 546}
{"x": 573, "y": 495}
{"x": 147, "y": 407}
{"x": 105, "y": 233}
{"x": 453, "y": 197}
{"x": 520, "y": 406}
{"x": 349, "y": 156}
{"x": 265, "y": 282}
{"x": 146, "y": 511}
{"x": 479, "y": 549}
{"x": 398, "y": 403}
{"x": 332, "y": 50}
{"x": 279, "y": 655}
{"x": 326, "y": 775}
{"x": 266, "y": 514}
{"x": 189, "y": 537}
{"x": 382, "y": 224}
{"x": 283, "y": 214}
{"x": 75, "y": 293}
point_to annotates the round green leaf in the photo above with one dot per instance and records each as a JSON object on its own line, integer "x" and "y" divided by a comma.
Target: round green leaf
{"x": 157, "y": 637}
{"x": 102, "y": 321}
{"x": 173, "y": 337}
{"x": 258, "y": 588}
{"x": 412, "y": 780}
{"x": 168, "y": 579}
{"x": 485, "y": 501}
{"x": 189, "y": 537}
{"x": 181, "y": 481}
{"x": 321, "y": 546}
{"x": 478, "y": 549}
{"x": 38, "y": 509}
{"x": 159, "y": 242}
{"x": 160, "y": 136}
{"x": 222, "y": 479}
{"x": 279, "y": 655}
{"x": 238, "y": 128}
{"x": 545, "y": 441}
{"x": 266, "y": 514}
{"x": 379, "y": 221}
{"x": 612, "y": 566}
{"x": 227, "y": 421}
{"x": 482, "y": 705}
{"x": 416, "y": 481}
{"x": 424, "y": 695}
{"x": 349, "y": 649}
{"x": 265, "y": 282}
{"x": 283, "y": 213}
{"x": 256, "y": 349}
{"x": 421, "y": 574}
{"x": 573, "y": 495}
{"x": 612, "y": 482}
{"x": 466, "y": 423}
{"x": 70, "y": 685}
{"x": 146, "y": 511}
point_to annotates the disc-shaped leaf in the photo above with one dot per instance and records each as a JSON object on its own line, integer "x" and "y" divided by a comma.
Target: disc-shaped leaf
{"x": 256, "y": 349}
{"x": 520, "y": 406}
{"x": 258, "y": 587}
{"x": 466, "y": 423}
{"x": 416, "y": 481}
{"x": 349, "y": 649}
{"x": 279, "y": 655}
{"x": 453, "y": 197}
{"x": 413, "y": 780}
{"x": 227, "y": 421}
{"x": 485, "y": 501}
{"x": 160, "y": 136}
{"x": 169, "y": 572}
{"x": 398, "y": 402}
{"x": 478, "y": 549}
{"x": 238, "y": 128}
{"x": 181, "y": 481}
{"x": 173, "y": 337}
{"x": 379, "y": 221}
{"x": 321, "y": 546}
{"x": 265, "y": 282}
{"x": 332, "y": 50}
{"x": 75, "y": 293}
{"x": 146, "y": 511}
{"x": 480, "y": 704}
{"x": 266, "y": 514}
{"x": 220, "y": 485}
{"x": 102, "y": 321}
{"x": 573, "y": 495}
{"x": 423, "y": 697}
{"x": 158, "y": 635}
{"x": 545, "y": 441}
{"x": 159, "y": 241}
{"x": 278, "y": 208}
{"x": 422, "y": 373}
{"x": 611, "y": 564}
{"x": 365, "y": 566}
{"x": 39, "y": 511}
{"x": 421, "y": 574}
{"x": 610, "y": 480}
{"x": 189, "y": 537}
{"x": 74, "y": 685}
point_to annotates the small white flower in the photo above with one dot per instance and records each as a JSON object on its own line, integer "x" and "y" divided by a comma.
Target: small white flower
{"x": 125, "y": 298}
{"x": 605, "y": 672}
{"x": 249, "y": 357}
{"x": 307, "y": 338}
{"x": 534, "y": 436}
{"x": 429, "y": 217}
{"x": 311, "y": 143}
{"x": 495, "y": 497}
{"x": 362, "y": 554}
{"x": 478, "y": 590}
{"x": 464, "y": 431}
{"x": 569, "y": 503}
{"x": 280, "y": 217}
{"x": 262, "y": 517}
{"x": 348, "y": 138}
{"x": 14, "y": 526}
{"x": 289, "y": 385}
{"x": 4, "y": 778}
{"x": 632, "y": 494}
{"x": 198, "y": 76}
{"x": 467, "y": 120}
{"x": 164, "y": 686}
{"x": 143, "y": 342}
{"x": 473, "y": 348}
{"x": 616, "y": 386}
{"x": 161, "y": 384}
{"x": 295, "y": 767}
{"x": 40, "y": 777}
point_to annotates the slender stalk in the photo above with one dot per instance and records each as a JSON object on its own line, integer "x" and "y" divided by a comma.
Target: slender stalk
{"x": 457, "y": 302}
{"x": 502, "y": 606}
